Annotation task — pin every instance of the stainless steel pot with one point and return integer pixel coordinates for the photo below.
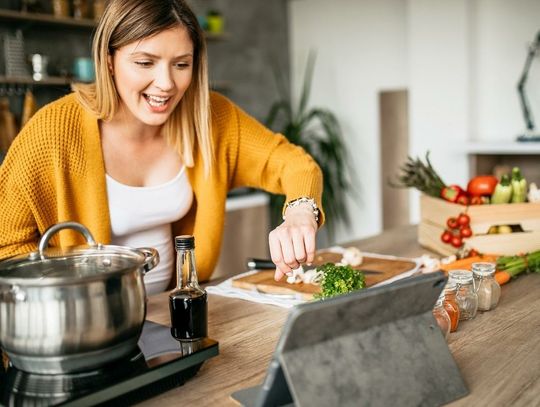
(74, 309)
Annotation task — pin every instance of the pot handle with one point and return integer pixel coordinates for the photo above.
(44, 241)
(151, 258)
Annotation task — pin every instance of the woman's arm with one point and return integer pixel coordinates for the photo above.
(18, 229)
(269, 161)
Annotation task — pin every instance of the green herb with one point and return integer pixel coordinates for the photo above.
(518, 264)
(422, 176)
(337, 280)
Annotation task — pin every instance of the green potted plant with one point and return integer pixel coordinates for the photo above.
(318, 132)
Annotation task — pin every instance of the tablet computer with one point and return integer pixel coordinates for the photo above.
(379, 346)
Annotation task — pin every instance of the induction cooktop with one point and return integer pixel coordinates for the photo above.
(160, 363)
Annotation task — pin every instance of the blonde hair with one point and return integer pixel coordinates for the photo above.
(126, 21)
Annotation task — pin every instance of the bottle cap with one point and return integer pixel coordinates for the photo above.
(184, 242)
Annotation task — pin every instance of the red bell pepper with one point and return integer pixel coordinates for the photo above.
(451, 193)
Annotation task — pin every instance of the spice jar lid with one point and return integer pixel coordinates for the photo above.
(483, 268)
(460, 276)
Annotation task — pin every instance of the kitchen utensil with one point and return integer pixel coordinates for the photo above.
(265, 264)
(8, 128)
(158, 364)
(29, 107)
(14, 55)
(39, 66)
(72, 309)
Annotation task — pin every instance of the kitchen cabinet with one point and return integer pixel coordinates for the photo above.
(247, 223)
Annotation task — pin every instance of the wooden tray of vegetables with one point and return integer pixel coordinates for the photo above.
(492, 215)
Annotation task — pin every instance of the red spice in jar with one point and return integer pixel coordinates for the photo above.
(451, 306)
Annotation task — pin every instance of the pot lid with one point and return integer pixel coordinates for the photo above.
(73, 264)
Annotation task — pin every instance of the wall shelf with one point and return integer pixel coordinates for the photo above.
(50, 19)
(503, 148)
(50, 81)
(497, 157)
(47, 19)
(64, 81)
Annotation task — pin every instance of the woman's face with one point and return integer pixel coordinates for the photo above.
(151, 75)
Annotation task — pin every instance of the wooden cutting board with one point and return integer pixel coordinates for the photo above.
(263, 281)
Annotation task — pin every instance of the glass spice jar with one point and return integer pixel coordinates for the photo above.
(487, 288)
(466, 296)
(441, 316)
(450, 305)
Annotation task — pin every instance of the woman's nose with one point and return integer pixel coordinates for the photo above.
(164, 79)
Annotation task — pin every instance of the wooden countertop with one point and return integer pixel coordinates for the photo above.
(498, 352)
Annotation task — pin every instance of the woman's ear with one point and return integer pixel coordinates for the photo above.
(110, 64)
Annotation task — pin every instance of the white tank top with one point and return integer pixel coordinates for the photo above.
(142, 217)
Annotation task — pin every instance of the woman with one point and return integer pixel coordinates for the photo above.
(146, 153)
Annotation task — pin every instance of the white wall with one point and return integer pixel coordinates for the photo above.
(460, 60)
(361, 49)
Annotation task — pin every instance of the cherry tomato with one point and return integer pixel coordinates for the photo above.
(452, 223)
(476, 200)
(446, 236)
(456, 241)
(465, 231)
(472, 253)
(463, 200)
(463, 219)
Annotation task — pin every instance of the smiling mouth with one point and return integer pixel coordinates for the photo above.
(156, 101)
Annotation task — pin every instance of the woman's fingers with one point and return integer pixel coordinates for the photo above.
(310, 244)
(291, 244)
(298, 246)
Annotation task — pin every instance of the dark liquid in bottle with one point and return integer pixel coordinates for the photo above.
(189, 316)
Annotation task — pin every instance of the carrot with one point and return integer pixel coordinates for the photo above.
(502, 277)
(465, 264)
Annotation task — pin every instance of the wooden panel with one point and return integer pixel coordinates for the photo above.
(394, 128)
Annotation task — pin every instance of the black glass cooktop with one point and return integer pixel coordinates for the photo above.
(159, 364)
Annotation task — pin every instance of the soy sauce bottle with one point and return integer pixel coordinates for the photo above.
(188, 302)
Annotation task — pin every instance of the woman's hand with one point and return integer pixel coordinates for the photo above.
(293, 242)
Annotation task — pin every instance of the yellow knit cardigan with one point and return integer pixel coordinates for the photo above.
(54, 172)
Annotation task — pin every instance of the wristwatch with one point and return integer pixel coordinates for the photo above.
(303, 200)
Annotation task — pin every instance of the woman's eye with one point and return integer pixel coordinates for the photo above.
(143, 63)
(182, 65)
